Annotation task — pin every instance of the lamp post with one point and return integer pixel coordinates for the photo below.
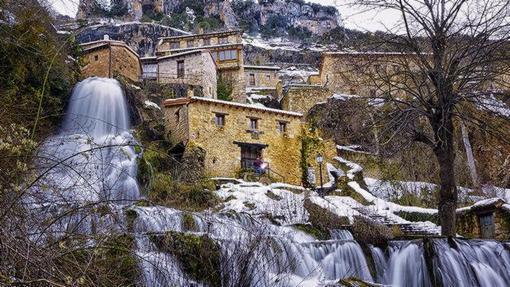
(320, 159)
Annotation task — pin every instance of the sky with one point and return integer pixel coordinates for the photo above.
(353, 17)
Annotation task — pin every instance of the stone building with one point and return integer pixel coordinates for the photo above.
(194, 68)
(301, 97)
(107, 58)
(488, 218)
(226, 49)
(361, 73)
(261, 76)
(234, 135)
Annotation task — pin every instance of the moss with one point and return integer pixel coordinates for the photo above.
(199, 256)
(317, 232)
(370, 232)
(250, 205)
(229, 198)
(131, 216)
(188, 222)
(346, 190)
(355, 282)
(323, 218)
(418, 216)
(273, 196)
(110, 263)
(186, 196)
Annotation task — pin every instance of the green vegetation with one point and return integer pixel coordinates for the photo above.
(322, 218)
(110, 263)
(318, 232)
(188, 222)
(310, 143)
(418, 216)
(199, 256)
(224, 89)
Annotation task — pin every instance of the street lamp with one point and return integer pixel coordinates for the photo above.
(320, 159)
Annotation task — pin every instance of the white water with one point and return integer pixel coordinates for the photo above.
(97, 163)
(94, 148)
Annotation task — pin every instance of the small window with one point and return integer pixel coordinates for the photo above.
(252, 79)
(219, 120)
(396, 68)
(96, 57)
(226, 55)
(190, 43)
(223, 40)
(175, 45)
(282, 127)
(180, 69)
(268, 77)
(207, 41)
(254, 124)
(178, 115)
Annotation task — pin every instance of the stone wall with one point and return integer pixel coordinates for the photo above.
(197, 41)
(236, 78)
(363, 74)
(199, 70)
(97, 63)
(111, 61)
(177, 124)
(468, 224)
(302, 98)
(263, 77)
(223, 156)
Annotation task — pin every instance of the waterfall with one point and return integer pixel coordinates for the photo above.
(92, 157)
(481, 263)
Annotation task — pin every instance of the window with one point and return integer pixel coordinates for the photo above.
(252, 79)
(178, 115)
(268, 77)
(396, 68)
(226, 55)
(96, 57)
(223, 40)
(207, 41)
(254, 124)
(180, 69)
(282, 127)
(219, 120)
(175, 45)
(189, 43)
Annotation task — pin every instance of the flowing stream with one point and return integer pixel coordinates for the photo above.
(93, 159)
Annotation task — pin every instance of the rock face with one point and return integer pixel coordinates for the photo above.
(142, 37)
(247, 14)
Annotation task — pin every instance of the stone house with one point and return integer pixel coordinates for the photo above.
(107, 58)
(234, 135)
(302, 97)
(362, 73)
(226, 49)
(193, 68)
(488, 218)
(261, 76)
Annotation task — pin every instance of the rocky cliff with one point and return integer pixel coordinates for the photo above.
(290, 17)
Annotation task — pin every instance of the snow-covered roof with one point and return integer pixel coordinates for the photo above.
(189, 35)
(100, 43)
(199, 51)
(495, 202)
(182, 101)
(276, 68)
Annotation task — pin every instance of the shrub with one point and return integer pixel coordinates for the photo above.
(317, 232)
(371, 232)
(224, 89)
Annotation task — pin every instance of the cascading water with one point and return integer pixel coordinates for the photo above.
(92, 159)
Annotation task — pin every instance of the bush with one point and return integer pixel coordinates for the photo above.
(317, 232)
(370, 232)
(187, 196)
(224, 89)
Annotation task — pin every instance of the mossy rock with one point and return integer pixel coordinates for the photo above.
(345, 190)
(273, 195)
(323, 218)
(355, 282)
(188, 222)
(199, 256)
(370, 232)
(109, 263)
(131, 216)
(317, 232)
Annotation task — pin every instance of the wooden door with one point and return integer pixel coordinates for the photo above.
(487, 228)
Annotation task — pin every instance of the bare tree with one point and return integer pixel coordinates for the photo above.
(450, 55)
